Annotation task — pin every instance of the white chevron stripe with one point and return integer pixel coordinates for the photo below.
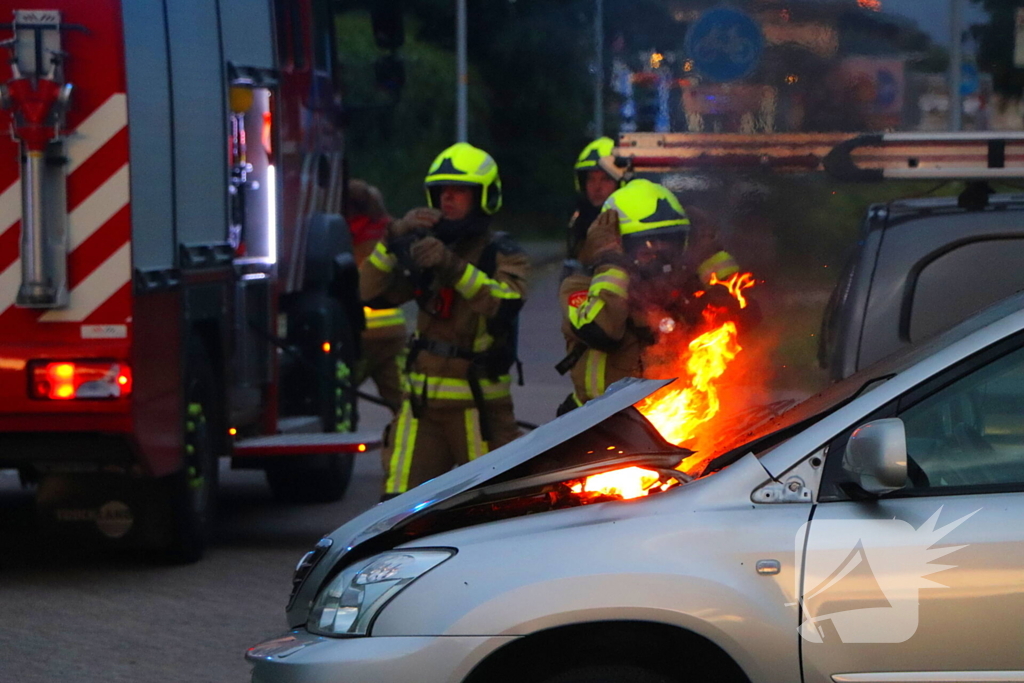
(10, 281)
(97, 130)
(94, 132)
(10, 206)
(100, 285)
(98, 208)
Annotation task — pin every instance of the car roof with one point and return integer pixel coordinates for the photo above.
(903, 207)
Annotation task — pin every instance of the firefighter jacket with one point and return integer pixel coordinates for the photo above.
(460, 328)
(605, 320)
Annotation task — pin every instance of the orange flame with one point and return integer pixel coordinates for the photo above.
(736, 284)
(626, 483)
(678, 410)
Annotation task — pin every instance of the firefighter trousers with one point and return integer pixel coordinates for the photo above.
(445, 435)
(383, 361)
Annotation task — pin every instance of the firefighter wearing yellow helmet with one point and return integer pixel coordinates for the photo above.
(593, 186)
(469, 284)
(642, 248)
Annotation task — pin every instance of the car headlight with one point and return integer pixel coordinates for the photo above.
(348, 604)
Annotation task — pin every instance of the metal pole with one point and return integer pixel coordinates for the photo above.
(598, 68)
(956, 60)
(462, 75)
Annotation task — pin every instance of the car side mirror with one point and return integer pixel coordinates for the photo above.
(876, 456)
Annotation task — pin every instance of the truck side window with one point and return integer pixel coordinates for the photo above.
(963, 281)
(970, 433)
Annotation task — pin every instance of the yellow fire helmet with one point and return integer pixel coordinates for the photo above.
(464, 164)
(589, 157)
(648, 209)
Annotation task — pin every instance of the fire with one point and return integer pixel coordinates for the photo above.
(678, 410)
(736, 284)
(626, 483)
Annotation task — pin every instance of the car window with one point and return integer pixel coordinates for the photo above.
(970, 433)
(941, 295)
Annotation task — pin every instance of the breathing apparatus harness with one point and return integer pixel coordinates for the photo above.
(491, 364)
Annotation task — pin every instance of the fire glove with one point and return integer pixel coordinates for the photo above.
(430, 253)
(603, 242)
(417, 220)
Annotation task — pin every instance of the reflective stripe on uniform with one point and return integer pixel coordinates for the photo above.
(577, 399)
(377, 318)
(454, 389)
(382, 259)
(475, 444)
(401, 454)
(614, 280)
(593, 380)
(585, 313)
(473, 280)
(722, 264)
(483, 339)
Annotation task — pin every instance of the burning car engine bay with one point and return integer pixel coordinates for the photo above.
(588, 468)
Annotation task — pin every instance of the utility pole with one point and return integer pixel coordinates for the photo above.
(462, 75)
(956, 61)
(598, 68)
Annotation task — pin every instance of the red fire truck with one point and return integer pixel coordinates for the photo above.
(176, 282)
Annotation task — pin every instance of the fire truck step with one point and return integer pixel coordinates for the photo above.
(306, 444)
(300, 424)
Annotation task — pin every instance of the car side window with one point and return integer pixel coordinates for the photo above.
(940, 298)
(971, 432)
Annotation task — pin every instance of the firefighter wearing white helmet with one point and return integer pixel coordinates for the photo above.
(469, 284)
(593, 187)
(641, 249)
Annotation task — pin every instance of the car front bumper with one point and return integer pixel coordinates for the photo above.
(300, 657)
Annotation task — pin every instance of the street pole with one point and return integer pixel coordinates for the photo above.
(462, 75)
(598, 68)
(956, 60)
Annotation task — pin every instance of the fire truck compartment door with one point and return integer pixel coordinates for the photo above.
(240, 20)
(381, 518)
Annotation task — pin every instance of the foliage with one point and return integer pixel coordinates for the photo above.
(530, 101)
(996, 45)
(392, 144)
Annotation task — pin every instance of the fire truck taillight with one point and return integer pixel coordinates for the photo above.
(67, 380)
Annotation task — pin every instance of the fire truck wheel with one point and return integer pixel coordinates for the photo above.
(311, 478)
(610, 674)
(192, 491)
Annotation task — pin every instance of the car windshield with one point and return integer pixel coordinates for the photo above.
(839, 394)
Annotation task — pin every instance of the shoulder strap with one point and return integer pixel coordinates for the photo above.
(501, 243)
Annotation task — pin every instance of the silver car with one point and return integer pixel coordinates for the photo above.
(809, 550)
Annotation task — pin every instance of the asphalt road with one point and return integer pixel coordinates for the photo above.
(68, 614)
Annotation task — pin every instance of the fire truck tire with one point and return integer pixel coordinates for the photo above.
(610, 674)
(192, 491)
(311, 478)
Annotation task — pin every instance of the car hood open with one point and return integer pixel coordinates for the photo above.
(535, 452)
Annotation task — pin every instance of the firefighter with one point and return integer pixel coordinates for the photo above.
(383, 340)
(593, 187)
(639, 254)
(469, 285)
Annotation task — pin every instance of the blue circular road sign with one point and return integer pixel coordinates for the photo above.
(724, 44)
